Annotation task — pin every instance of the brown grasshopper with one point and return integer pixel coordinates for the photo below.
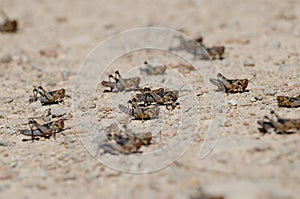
(47, 98)
(216, 52)
(9, 26)
(45, 130)
(124, 142)
(197, 48)
(158, 96)
(120, 83)
(230, 85)
(279, 125)
(138, 112)
(153, 70)
(289, 102)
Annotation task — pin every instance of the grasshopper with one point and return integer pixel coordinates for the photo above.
(289, 102)
(124, 142)
(158, 96)
(279, 125)
(230, 85)
(216, 52)
(47, 98)
(198, 49)
(45, 130)
(120, 83)
(153, 70)
(9, 26)
(138, 112)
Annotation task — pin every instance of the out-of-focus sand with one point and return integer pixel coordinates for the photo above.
(244, 163)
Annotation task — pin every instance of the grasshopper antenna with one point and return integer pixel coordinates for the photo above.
(4, 15)
(251, 79)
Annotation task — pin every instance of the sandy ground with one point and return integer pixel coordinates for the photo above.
(243, 164)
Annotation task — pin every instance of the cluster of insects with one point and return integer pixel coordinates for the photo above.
(47, 129)
(143, 105)
(279, 125)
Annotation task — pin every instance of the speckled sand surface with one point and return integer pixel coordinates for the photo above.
(243, 164)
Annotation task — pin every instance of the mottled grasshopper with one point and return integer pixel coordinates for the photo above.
(121, 84)
(47, 98)
(158, 96)
(43, 130)
(279, 125)
(289, 102)
(123, 142)
(198, 49)
(152, 69)
(139, 112)
(230, 85)
(9, 26)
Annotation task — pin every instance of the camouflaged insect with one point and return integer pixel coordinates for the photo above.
(198, 49)
(229, 85)
(47, 98)
(139, 112)
(9, 26)
(43, 130)
(152, 69)
(123, 142)
(288, 102)
(121, 84)
(279, 125)
(160, 96)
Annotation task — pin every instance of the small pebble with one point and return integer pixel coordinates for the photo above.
(249, 62)
(48, 53)
(253, 99)
(227, 124)
(69, 176)
(14, 164)
(275, 45)
(259, 97)
(20, 58)
(262, 147)
(246, 123)
(6, 58)
(92, 105)
(175, 125)
(269, 91)
(65, 74)
(232, 102)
